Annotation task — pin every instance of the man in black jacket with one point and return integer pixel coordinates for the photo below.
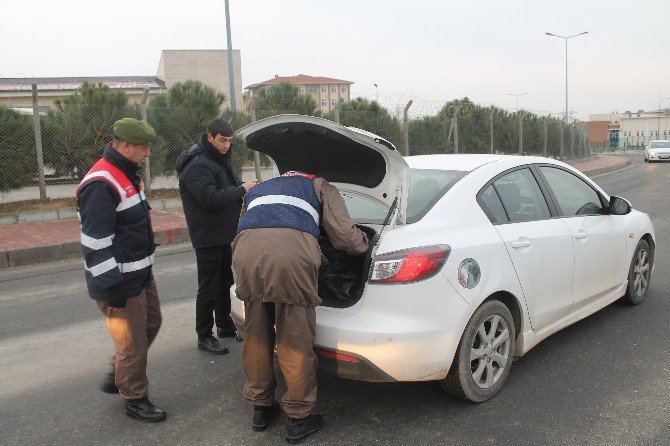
(118, 245)
(211, 192)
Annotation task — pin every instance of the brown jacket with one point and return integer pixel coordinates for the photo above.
(282, 265)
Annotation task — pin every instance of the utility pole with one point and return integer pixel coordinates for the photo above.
(231, 71)
(37, 128)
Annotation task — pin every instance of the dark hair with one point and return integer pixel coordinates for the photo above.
(218, 126)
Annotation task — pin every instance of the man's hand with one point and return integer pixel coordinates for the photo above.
(250, 184)
(116, 302)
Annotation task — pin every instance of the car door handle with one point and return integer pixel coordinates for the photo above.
(521, 244)
(581, 234)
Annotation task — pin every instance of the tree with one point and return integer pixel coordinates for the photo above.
(179, 118)
(284, 98)
(370, 116)
(17, 149)
(78, 127)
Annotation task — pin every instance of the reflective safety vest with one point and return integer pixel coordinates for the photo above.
(119, 251)
(283, 202)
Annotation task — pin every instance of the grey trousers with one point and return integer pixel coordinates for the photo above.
(292, 328)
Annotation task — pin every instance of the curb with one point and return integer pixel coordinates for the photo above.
(72, 250)
(596, 172)
(65, 213)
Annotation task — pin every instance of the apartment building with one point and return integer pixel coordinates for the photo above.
(326, 91)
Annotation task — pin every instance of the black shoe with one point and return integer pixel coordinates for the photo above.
(108, 384)
(300, 428)
(263, 414)
(227, 330)
(211, 345)
(142, 409)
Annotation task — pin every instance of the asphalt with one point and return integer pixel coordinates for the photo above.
(31, 238)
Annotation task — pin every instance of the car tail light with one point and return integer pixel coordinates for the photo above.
(409, 265)
(336, 355)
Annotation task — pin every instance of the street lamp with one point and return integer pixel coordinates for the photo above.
(517, 98)
(658, 129)
(231, 71)
(377, 90)
(566, 66)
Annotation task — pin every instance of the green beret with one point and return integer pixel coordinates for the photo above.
(134, 131)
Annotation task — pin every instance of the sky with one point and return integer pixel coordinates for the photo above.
(430, 51)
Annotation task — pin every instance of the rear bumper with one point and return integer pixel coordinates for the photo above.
(349, 365)
(334, 362)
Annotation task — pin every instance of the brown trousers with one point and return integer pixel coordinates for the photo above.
(133, 329)
(292, 328)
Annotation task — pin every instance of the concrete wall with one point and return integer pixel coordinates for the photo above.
(207, 66)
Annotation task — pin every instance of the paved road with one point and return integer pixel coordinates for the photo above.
(603, 381)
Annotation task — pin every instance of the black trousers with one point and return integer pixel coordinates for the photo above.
(215, 278)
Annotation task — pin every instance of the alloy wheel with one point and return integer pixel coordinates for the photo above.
(490, 351)
(641, 272)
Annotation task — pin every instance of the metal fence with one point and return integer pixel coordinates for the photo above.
(69, 142)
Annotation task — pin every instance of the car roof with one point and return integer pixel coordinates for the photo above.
(468, 162)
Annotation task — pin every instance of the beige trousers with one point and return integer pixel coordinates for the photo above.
(292, 328)
(133, 329)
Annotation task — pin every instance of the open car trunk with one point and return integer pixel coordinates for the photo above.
(361, 164)
(343, 277)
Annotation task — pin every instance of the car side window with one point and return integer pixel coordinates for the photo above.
(521, 196)
(492, 205)
(574, 195)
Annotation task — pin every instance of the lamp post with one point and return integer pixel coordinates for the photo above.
(566, 66)
(231, 70)
(658, 128)
(517, 98)
(377, 90)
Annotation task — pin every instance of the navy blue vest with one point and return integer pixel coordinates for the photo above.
(282, 202)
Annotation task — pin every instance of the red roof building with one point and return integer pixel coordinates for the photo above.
(326, 91)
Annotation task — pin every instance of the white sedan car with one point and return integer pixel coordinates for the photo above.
(474, 258)
(658, 150)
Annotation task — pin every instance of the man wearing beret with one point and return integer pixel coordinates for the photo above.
(211, 192)
(118, 244)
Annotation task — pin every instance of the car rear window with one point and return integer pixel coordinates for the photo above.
(426, 187)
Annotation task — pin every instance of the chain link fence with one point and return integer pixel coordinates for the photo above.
(73, 136)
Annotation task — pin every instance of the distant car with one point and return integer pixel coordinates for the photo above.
(474, 259)
(658, 150)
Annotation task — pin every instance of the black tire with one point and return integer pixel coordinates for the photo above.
(639, 274)
(460, 382)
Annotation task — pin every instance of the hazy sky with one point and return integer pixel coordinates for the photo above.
(428, 51)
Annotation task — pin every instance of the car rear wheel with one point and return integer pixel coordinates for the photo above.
(639, 274)
(484, 356)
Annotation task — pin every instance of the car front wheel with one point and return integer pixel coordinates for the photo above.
(639, 274)
(484, 356)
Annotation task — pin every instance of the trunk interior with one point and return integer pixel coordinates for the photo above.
(342, 280)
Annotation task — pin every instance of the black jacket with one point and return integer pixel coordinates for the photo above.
(211, 194)
(117, 241)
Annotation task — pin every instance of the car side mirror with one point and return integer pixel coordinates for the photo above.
(619, 206)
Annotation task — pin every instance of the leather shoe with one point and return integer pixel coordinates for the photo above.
(108, 384)
(299, 428)
(211, 345)
(144, 410)
(263, 414)
(227, 330)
